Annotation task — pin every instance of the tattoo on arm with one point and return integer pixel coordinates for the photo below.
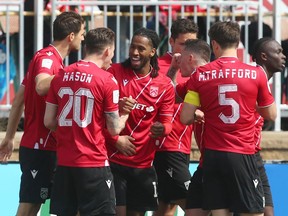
(115, 123)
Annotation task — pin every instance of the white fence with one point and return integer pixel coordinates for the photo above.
(125, 16)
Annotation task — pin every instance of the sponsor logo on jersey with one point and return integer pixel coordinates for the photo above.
(186, 184)
(34, 173)
(125, 81)
(170, 172)
(109, 182)
(255, 181)
(49, 53)
(150, 109)
(154, 91)
(143, 107)
(115, 96)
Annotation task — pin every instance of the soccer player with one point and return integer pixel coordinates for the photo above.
(153, 97)
(82, 99)
(268, 54)
(195, 53)
(37, 148)
(228, 91)
(173, 155)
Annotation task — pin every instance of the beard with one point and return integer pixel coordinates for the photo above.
(137, 66)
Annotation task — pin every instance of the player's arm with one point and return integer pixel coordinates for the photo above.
(159, 129)
(6, 146)
(50, 116)
(163, 125)
(268, 113)
(266, 106)
(126, 105)
(43, 82)
(114, 123)
(174, 67)
(191, 103)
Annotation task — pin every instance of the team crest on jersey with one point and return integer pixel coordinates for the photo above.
(44, 193)
(154, 91)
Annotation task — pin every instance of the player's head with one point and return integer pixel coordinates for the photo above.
(196, 52)
(224, 35)
(101, 42)
(69, 24)
(268, 53)
(143, 51)
(182, 30)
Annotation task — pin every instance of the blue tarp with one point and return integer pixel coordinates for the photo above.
(3, 66)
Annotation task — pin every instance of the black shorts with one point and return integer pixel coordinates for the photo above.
(195, 192)
(89, 190)
(173, 174)
(232, 181)
(265, 181)
(38, 169)
(135, 188)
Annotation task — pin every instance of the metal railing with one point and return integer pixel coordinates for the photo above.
(122, 17)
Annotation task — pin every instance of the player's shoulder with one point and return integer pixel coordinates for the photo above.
(115, 66)
(48, 51)
(162, 79)
(165, 59)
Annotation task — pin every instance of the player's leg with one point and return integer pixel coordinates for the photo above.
(165, 209)
(173, 181)
(120, 175)
(269, 210)
(194, 198)
(142, 191)
(38, 169)
(63, 197)
(95, 190)
(28, 209)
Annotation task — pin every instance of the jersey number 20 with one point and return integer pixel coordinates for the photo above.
(75, 103)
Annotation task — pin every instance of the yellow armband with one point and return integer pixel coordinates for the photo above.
(192, 97)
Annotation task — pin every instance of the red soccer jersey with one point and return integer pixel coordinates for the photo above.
(36, 135)
(155, 98)
(228, 90)
(83, 93)
(198, 128)
(180, 137)
(259, 122)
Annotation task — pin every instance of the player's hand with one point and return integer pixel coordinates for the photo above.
(6, 149)
(175, 63)
(199, 116)
(125, 146)
(126, 105)
(157, 130)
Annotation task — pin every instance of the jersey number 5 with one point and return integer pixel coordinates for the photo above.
(224, 101)
(74, 102)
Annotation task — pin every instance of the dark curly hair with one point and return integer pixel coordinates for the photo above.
(155, 41)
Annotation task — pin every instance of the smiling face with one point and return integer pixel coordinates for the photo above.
(140, 53)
